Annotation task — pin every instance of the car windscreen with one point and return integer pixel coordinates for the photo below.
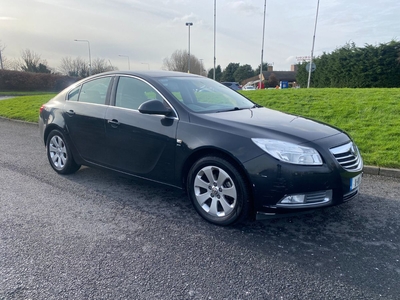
(204, 95)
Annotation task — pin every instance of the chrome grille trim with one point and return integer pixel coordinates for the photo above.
(348, 156)
(316, 197)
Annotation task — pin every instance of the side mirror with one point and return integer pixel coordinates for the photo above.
(155, 107)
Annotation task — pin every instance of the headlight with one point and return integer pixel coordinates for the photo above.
(290, 153)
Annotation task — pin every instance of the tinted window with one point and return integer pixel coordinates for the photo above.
(132, 92)
(201, 94)
(95, 91)
(74, 94)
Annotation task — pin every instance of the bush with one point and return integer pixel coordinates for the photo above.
(26, 81)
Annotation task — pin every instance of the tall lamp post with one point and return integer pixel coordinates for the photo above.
(215, 35)
(90, 58)
(189, 24)
(129, 63)
(312, 49)
(262, 45)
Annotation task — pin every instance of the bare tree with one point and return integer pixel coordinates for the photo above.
(32, 62)
(99, 65)
(78, 67)
(2, 47)
(179, 61)
(74, 67)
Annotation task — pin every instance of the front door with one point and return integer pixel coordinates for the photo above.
(140, 144)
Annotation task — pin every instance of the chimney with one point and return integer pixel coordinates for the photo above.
(270, 68)
(294, 68)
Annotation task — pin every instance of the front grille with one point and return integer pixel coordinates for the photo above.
(348, 156)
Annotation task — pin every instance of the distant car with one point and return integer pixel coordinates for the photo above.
(232, 156)
(248, 88)
(233, 85)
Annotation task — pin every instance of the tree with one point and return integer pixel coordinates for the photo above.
(243, 72)
(32, 62)
(74, 67)
(264, 68)
(2, 58)
(228, 73)
(355, 67)
(218, 73)
(99, 65)
(179, 61)
(272, 80)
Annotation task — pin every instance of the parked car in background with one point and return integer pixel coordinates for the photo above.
(234, 157)
(233, 85)
(248, 88)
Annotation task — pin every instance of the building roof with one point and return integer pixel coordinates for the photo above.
(281, 75)
(289, 76)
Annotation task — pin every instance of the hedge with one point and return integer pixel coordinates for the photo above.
(26, 81)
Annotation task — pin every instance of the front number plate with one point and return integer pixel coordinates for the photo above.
(355, 182)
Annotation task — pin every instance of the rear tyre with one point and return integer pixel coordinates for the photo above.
(59, 154)
(218, 191)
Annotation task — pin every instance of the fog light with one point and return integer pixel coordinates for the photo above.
(293, 199)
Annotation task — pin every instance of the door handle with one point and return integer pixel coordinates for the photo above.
(114, 123)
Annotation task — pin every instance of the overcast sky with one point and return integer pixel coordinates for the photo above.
(150, 30)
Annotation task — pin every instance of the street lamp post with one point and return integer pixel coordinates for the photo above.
(262, 45)
(215, 35)
(129, 63)
(90, 58)
(189, 24)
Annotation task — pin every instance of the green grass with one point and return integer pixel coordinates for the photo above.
(25, 108)
(11, 93)
(370, 116)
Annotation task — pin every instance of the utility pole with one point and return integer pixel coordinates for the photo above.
(312, 49)
(189, 24)
(262, 45)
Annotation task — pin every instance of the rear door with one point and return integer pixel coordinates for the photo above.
(84, 114)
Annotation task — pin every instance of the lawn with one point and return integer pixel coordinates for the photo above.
(370, 116)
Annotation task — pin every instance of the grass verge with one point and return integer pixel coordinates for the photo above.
(370, 116)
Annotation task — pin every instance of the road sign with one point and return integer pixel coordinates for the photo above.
(313, 67)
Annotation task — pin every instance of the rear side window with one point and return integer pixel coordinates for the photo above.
(94, 91)
(74, 94)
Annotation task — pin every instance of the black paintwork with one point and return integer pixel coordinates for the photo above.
(162, 147)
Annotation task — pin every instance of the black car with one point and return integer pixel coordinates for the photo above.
(233, 85)
(233, 157)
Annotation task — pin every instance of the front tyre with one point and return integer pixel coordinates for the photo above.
(218, 191)
(59, 154)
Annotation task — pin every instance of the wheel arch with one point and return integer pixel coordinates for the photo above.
(203, 152)
(49, 128)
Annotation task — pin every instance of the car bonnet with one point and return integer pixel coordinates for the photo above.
(268, 123)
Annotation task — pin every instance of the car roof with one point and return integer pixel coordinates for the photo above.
(151, 73)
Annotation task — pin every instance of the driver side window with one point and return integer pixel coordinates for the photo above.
(132, 92)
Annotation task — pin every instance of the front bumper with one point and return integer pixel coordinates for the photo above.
(280, 188)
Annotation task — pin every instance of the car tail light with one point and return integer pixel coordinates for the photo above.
(41, 108)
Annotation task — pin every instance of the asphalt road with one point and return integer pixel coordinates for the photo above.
(98, 235)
